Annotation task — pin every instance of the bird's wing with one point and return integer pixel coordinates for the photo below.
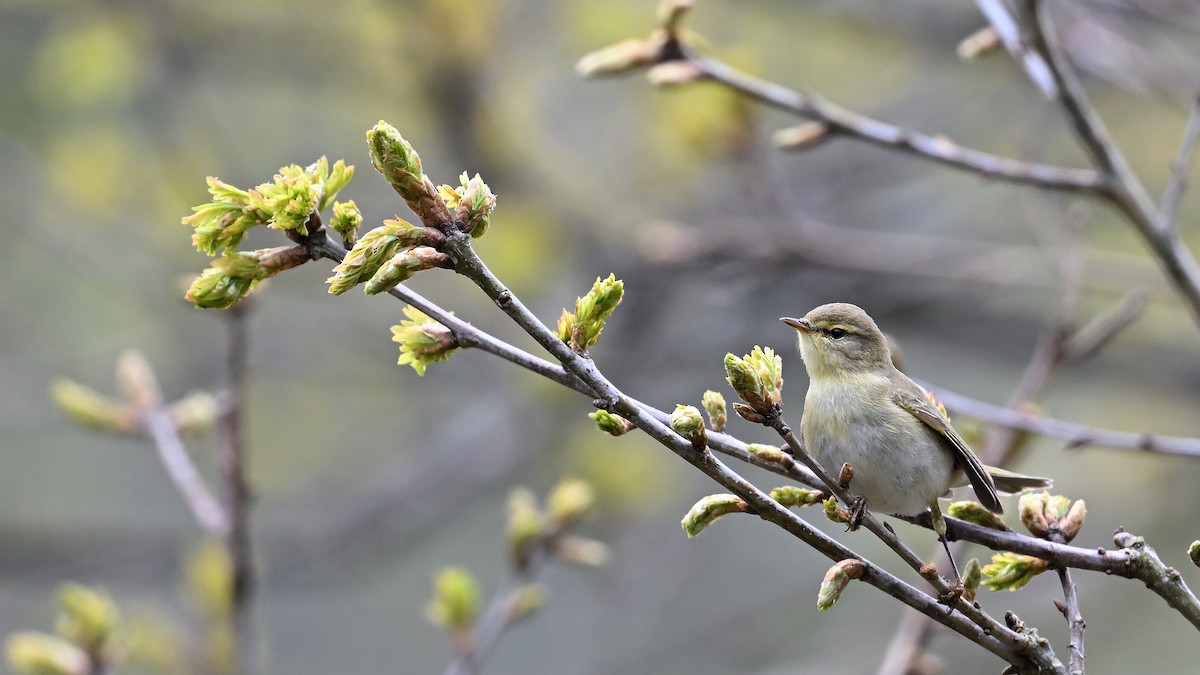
(924, 410)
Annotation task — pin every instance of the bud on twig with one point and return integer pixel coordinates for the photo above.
(422, 340)
(472, 202)
(801, 137)
(836, 579)
(971, 577)
(87, 407)
(1010, 571)
(395, 158)
(455, 602)
(791, 495)
(758, 379)
(687, 422)
(979, 43)
(569, 500)
(610, 423)
(706, 511)
(974, 512)
(769, 453)
(402, 266)
(834, 511)
(375, 249)
(1051, 516)
(674, 74)
(346, 221)
(582, 328)
(714, 405)
(35, 653)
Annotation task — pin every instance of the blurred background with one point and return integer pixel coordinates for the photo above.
(368, 479)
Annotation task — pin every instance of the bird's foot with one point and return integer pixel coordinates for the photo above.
(858, 511)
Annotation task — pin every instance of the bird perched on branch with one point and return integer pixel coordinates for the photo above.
(860, 410)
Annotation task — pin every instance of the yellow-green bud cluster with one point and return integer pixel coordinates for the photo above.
(87, 622)
(232, 276)
(35, 653)
(582, 328)
(90, 408)
(610, 423)
(455, 602)
(834, 511)
(89, 617)
(706, 512)
(1052, 516)
(473, 203)
(395, 158)
(422, 340)
(569, 500)
(1010, 571)
(375, 256)
(836, 579)
(758, 379)
(402, 266)
(530, 527)
(346, 221)
(714, 405)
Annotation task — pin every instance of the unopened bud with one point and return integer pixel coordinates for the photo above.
(674, 73)
(834, 511)
(619, 58)
(801, 137)
(581, 551)
(769, 453)
(974, 512)
(455, 603)
(706, 511)
(979, 43)
(791, 495)
(569, 500)
(836, 579)
(971, 577)
(87, 407)
(610, 423)
(714, 405)
(687, 422)
(137, 380)
(395, 158)
(33, 653)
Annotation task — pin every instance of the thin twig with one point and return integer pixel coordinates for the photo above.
(1076, 435)
(1010, 35)
(1121, 186)
(882, 134)
(1173, 193)
(182, 471)
(1075, 622)
(237, 497)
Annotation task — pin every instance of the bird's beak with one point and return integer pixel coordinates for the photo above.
(801, 325)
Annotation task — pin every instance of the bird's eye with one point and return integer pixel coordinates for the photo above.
(837, 333)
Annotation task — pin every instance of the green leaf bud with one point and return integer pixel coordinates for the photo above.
(89, 617)
(974, 512)
(235, 274)
(1045, 515)
(979, 43)
(137, 380)
(455, 602)
(399, 163)
(215, 290)
(836, 579)
(1194, 553)
(749, 414)
(34, 653)
(674, 74)
(714, 405)
(526, 525)
(687, 422)
(422, 340)
(332, 181)
(671, 14)
(757, 378)
(593, 309)
(1010, 571)
(373, 251)
(791, 495)
(706, 511)
(769, 453)
(971, 577)
(346, 221)
(610, 423)
(834, 511)
(472, 202)
(87, 407)
(402, 266)
(569, 500)
(222, 222)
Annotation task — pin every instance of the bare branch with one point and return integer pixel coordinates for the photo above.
(1173, 193)
(876, 132)
(205, 508)
(1120, 185)
(1076, 435)
(1010, 35)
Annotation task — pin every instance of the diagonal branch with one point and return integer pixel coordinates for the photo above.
(1179, 170)
(892, 137)
(1010, 35)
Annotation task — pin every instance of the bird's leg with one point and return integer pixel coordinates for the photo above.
(858, 511)
(939, 526)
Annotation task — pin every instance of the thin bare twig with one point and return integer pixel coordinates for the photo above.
(1173, 194)
(892, 137)
(1010, 35)
(1075, 621)
(1120, 185)
(182, 471)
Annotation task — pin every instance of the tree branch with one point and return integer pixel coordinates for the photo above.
(882, 134)
(1173, 193)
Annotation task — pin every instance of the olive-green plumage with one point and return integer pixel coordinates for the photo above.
(862, 411)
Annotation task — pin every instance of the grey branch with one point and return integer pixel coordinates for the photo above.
(1179, 170)
(1010, 35)
(182, 471)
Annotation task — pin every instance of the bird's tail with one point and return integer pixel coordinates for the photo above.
(1010, 483)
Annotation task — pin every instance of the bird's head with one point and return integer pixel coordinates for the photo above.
(838, 339)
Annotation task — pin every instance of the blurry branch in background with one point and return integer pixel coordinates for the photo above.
(1009, 33)
(142, 413)
(536, 535)
(1173, 193)
(673, 62)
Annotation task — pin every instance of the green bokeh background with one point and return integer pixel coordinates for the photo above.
(368, 479)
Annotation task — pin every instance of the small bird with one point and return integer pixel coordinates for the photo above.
(860, 410)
